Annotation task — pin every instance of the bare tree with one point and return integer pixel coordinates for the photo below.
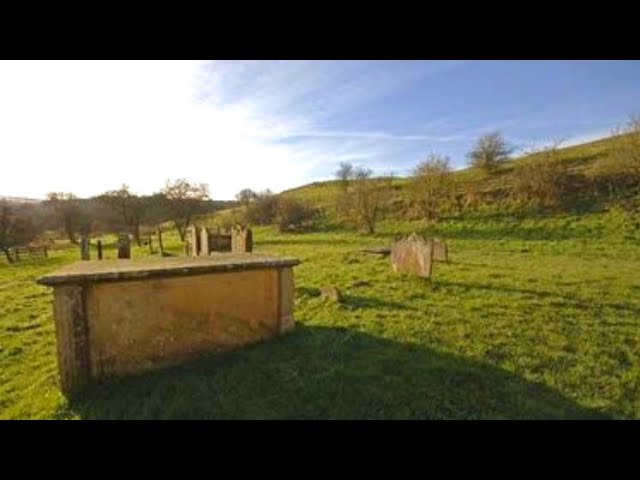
(345, 173)
(129, 207)
(71, 214)
(432, 185)
(361, 203)
(263, 210)
(15, 230)
(489, 151)
(183, 200)
(246, 196)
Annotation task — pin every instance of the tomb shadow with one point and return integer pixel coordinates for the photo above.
(328, 373)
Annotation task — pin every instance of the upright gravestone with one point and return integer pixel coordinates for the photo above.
(124, 246)
(193, 240)
(84, 247)
(204, 241)
(160, 246)
(414, 255)
(440, 251)
(241, 240)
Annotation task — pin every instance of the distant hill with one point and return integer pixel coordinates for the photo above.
(579, 157)
(18, 199)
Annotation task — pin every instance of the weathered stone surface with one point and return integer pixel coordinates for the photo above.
(120, 317)
(220, 242)
(160, 245)
(72, 337)
(440, 251)
(414, 255)
(204, 241)
(141, 268)
(241, 239)
(124, 246)
(193, 240)
(331, 292)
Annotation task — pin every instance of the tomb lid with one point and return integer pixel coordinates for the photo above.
(138, 269)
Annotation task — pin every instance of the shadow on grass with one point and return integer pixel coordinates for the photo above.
(328, 373)
(570, 301)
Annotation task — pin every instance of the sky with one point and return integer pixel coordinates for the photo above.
(90, 126)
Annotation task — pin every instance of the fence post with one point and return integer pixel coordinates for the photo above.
(150, 245)
(46, 254)
(99, 247)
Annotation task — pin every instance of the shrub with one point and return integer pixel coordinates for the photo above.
(489, 151)
(292, 214)
(431, 187)
(618, 173)
(543, 180)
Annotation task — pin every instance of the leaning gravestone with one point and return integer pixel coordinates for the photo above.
(124, 246)
(414, 255)
(440, 251)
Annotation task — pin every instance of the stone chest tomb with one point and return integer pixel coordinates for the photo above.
(117, 317)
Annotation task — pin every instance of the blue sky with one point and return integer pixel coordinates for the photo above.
(279, 124)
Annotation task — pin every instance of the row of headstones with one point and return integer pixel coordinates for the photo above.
(202, 241)
(415, 254)
(124, 246)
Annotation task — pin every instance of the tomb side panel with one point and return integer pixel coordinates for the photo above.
(144, 324)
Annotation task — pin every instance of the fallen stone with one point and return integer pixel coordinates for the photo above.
(377, 250)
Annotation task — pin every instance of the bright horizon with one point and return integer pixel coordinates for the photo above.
(89, 126)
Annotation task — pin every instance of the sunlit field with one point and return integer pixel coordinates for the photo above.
(532, 317)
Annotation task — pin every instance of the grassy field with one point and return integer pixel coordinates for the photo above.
(533, 317)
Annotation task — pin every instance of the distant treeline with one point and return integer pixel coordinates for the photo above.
(120, 210)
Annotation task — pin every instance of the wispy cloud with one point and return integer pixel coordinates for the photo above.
(272, 124)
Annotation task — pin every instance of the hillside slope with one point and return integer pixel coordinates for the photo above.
(579, 158)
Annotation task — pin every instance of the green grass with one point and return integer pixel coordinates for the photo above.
(533, 317)
(579, 159)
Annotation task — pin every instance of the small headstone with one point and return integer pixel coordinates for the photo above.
(204, 241)
(414, 255)
(331, 292)
(241, 240)
(193, 240)
(124, 246)
(160, 246)
(84, 247)
(440, 251)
